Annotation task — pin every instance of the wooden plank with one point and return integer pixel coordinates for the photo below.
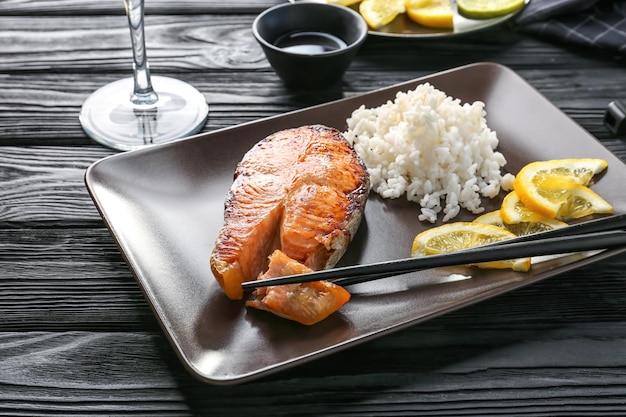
(47, 184)
(75, 278)
(45, 111)
(87, 7)
(44, 107)
(79, 43)
(572, 370)
(188, 42)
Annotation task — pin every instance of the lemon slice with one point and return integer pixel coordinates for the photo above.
(537, 225)
(463, 235)
(578, 201)
(576, 170)
(566, 201)
(514, 211)
(430, 13)
(485, 9)
(378, 13)
(543, 186)
(343, 2)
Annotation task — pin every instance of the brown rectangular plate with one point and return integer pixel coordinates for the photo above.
(164, 207)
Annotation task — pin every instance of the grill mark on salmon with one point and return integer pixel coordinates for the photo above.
(300, 190)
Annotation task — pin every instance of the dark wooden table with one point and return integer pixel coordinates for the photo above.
(77, 336)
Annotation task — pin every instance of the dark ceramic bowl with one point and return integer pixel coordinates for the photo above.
(310, 45)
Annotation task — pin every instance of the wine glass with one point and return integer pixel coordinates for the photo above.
(130, 113)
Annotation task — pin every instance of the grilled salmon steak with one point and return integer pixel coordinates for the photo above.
(307, 303)
(300, 190)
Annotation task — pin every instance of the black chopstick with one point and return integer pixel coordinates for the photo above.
(616, 222)
(511, 250)
(592, 235)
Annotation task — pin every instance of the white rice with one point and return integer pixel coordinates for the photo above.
(431, 147)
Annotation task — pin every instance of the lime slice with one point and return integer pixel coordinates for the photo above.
(485, 9)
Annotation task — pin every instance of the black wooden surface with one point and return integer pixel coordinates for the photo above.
(76, 335)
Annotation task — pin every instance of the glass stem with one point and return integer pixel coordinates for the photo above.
(143, 93)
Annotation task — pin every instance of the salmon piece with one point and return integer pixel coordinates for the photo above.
(306, 303)
(300, 190)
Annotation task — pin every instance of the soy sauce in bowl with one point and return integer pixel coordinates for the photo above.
(309, 43)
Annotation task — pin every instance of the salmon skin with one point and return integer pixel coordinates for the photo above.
(301, 190)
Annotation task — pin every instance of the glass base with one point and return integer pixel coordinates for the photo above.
(109, 117)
